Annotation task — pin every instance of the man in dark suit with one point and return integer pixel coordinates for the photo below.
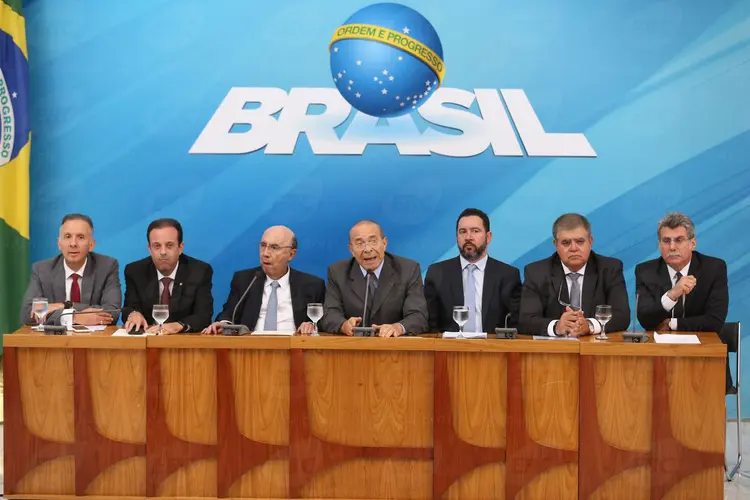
(560, 293)
(76, 281)
(169, 277)
(683, 290)
(275, 295)
(393, 286)
(489, 288)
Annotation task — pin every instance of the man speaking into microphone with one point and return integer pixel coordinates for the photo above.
(170, 277)
(76, 281)
(374, 288)
(272, 297)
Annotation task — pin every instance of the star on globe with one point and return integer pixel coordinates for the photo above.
(386, 60)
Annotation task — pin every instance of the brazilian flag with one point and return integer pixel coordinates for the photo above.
(15, 147)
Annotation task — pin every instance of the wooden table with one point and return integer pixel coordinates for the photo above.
(95, 416)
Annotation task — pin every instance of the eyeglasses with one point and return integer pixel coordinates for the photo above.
(362, 244)
(272, 247)
(559, 295)
(677, 241)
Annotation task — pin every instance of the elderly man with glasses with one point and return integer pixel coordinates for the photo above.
(272, 297)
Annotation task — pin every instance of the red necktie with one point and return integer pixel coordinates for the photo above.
(165, 293)
(75, 290)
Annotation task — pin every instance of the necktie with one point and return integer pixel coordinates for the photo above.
(75, 289)
(678, 311)
(372, 287)
(575, 291)
(470, 298)
(165, 295)
(271, 309)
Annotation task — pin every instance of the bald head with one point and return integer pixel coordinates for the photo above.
(366, 225)
(278, 246)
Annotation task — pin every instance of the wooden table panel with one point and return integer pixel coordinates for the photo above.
(270, 480)
(196, 479)
(125, 478)
(53, 477)
(486, 481)
(631, 484)
(556, 483)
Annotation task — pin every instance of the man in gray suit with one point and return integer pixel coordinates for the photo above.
(78, 280)
(393, 286)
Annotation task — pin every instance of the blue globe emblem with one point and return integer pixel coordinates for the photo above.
(386, 60)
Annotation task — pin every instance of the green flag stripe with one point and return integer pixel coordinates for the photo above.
(14, 276)
(15, 5)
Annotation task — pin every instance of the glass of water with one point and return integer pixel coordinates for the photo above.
(460, 316)
(160, 314)
(315, 312)
(39, 307)
(603, 315)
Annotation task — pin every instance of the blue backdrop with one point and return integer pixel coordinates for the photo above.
(120, 91)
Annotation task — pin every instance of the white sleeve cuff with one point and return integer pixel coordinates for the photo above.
(551, 328)
(667, 303)
(673, 324)
(596, 327)
(66, 317)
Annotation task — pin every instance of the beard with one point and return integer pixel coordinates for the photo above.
(472, 252)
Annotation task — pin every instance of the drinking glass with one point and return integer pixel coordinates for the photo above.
(39, 306)
(315, 312)
(160, 313)
(603, 315)
(460, 316)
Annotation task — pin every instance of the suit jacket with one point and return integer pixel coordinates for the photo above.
(705, 307)
(603, 283)
(100, 286)
(444, 289)
(191, 301)
(305, 289)
(398, 299)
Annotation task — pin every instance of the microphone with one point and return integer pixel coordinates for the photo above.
(632, 335)
(365, 331)
(232, 329)
(505, 332)
(61, 329)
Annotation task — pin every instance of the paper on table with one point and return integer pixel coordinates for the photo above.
(675, 338)
(121, 332)
(274, 334)
(96, 328)
(548, 337)
(466, 335)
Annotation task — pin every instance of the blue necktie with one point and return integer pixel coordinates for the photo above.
(470, 299)
(575, 291)
(273, 302)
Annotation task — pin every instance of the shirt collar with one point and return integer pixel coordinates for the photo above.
(481, 263)
(69, 272)
(376, 271)
(283, 281)
(172, 275)
(581, 271)
(683, 271)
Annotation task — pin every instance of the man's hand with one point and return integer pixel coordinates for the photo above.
(347, 328)
(306, 328)
(663, 326)
(682, 287)
(136, 321)
(583, 326)
(213, 329)
(568, 322)
(167, 328)
(95, 316)
(392, 330)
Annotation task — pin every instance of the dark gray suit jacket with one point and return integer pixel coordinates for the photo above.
(100, 286)
(398, 299)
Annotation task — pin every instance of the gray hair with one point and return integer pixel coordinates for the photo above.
(673, 220)
(568, 222)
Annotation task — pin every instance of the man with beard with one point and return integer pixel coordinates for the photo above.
(683, 290)
(169, 277)
(489, 288)
(391, 286)
(560, 293)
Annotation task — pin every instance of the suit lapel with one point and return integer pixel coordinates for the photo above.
(454, 276)
(177, 289)
(491, 278)
(385, 283)
(298, 299)
(152, 288)
(559, 288)
(590, 279)
(251, 310)
(58, 281)
(663, 272)
(695, 264)
(89, 275)
(357, 282)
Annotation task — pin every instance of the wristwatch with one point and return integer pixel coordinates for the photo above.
(67, 305)
(185, 327)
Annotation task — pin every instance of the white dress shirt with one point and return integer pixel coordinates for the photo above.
(284, 311)
(667, 303)
(478, 285)
(596, 327)
(67, 314)
(172, 275)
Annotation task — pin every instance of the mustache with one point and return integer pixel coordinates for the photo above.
(673, 254)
